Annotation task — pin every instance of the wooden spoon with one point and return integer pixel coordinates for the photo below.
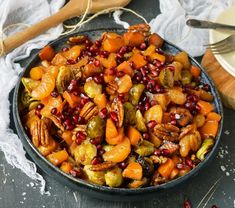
(72, 9)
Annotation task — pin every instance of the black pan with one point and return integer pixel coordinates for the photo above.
(104, 192)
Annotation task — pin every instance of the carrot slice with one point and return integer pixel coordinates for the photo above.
(67, 137)
(57, 158)
(213, 116)
(71, 99)
(47, 53)
(133, 171)
(111, 130)
(195, 71)
(210, 128)
(117, 139)
(134, 135)
(126, 68)
(166, 168)
(138, 60)
(206, 107)
(66, 167)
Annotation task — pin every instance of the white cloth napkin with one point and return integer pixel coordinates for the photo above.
(170, 24)
(27, 12)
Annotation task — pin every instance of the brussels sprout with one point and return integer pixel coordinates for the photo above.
(92, 89)
(135, 93)
(129, 114)
(95, 127)
(96, 177)
(206, 145)
(33, 105)
(25, 99)
(146, 148)
(113, 178)
(147, 165)
(84, 153)
(63, 79)
(166, 78)
(140, 122)
(186, 77)
(29, 84)
(138, 183)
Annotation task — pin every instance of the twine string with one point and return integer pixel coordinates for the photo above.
(72, 27)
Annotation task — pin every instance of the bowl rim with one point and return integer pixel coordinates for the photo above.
(85, 184)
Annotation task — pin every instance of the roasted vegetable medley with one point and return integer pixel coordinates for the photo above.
(119, 111)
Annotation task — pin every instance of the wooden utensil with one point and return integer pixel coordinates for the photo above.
(224, 82)
(72, 9)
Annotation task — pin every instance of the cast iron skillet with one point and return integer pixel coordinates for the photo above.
(93, 190)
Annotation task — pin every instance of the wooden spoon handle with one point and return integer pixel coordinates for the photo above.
(20, 38)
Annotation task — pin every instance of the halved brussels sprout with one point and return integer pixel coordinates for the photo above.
(25, 99)
(96, 177)
(135, 93)
(95, 127)
(92, 89)
(129, 114)
(113, 178)
(29, 84)
(147, 165)
(186, 77)
(166, 78)
(140, 122)
(145, 149)
(63, 79)
(84, 153)
(206, 146)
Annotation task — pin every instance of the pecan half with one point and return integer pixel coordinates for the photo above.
(143, 28)
(186, 130)
(157, 179)
(40, 133)
(112, 88)
(77, 39)
(102, 166)
(158, 159)
(166, 132)
(117, 107)
(56, 120)
(171, 147)
(89, 110)
(183, 116)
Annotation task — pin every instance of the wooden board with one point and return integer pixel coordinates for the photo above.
(223, 80)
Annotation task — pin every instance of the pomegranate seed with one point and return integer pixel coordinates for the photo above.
(214, 206)
(187, 204)
(99, 147)
(64, 49)
(123, 50)
(54, 94)
(69, 127)
(151, 124)
(143, 71)
(103, 113)
(157, 88)
(206, 87)
(71, 61)
(146, 136)
(97, 63)
(157, 152)
(114, 116)
(112, 71)
(198, 108)
(173, 122)
(96, 160)
(78, 141)
(96, 141)
(39, 106)
(37, 113)
(80, 135)
(147, 106)
(153, 102)
(165, 152)
(75, 172)
(120, 74)
(76, 118)
(143, 46)
(181, 166)
(123, 165)
(98, 43)
(151, 84)
(54, 111)
(189, 163)
(84, 101)
(98, 79)
(76, 93)
(101, 152)
(119, 56)
(104, 54)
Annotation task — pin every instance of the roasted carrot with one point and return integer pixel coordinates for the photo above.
(133, 171)
(210, 128)
(195, 71)
(134, 135)
(58, 157)
(47, 53)
(206, 107)
(213, 116)
(138, 60)
(166, 168)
